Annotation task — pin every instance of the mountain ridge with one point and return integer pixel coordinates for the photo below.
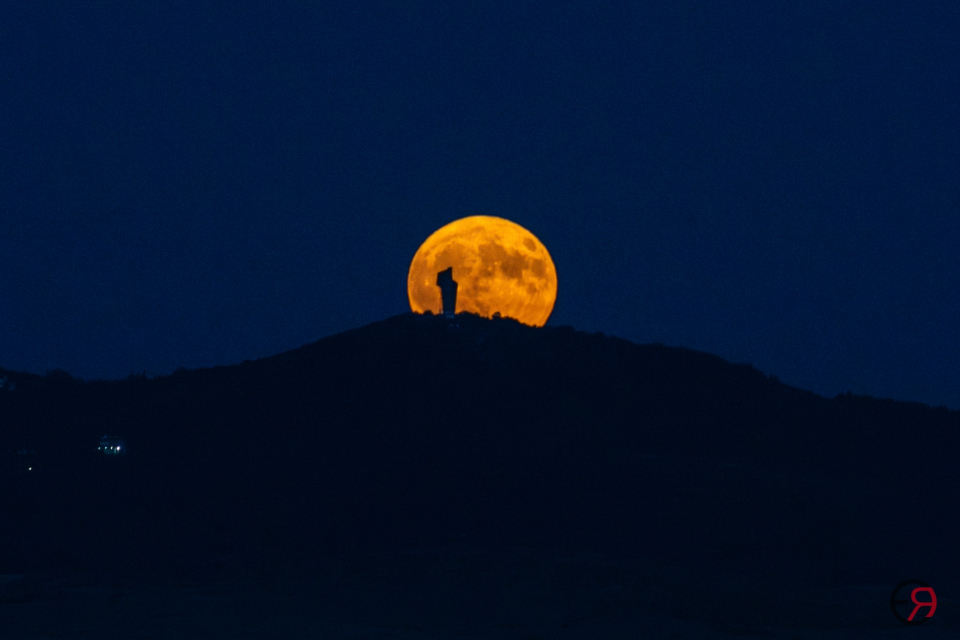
(420, 428)
(403, 345)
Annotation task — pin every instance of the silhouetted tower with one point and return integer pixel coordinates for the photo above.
(448, 291)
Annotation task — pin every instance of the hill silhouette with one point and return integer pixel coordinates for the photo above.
(421, 431)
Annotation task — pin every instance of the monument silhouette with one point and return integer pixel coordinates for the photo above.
(448, 291)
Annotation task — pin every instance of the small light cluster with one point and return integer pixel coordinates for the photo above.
(112, 446)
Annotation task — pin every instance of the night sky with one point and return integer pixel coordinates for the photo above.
(184, 183)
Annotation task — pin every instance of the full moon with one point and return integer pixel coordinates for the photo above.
(499, 267)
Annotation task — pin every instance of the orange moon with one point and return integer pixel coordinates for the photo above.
(499, 267)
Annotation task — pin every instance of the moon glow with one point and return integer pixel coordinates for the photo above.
(499, 266)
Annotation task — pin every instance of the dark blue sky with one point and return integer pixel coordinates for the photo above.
(191, 184)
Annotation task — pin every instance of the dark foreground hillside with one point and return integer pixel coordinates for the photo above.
(569, 476)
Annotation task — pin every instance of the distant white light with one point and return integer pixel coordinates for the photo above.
(29, 468)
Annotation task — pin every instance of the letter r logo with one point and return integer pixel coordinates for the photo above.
(899, 602)
(932, 602)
